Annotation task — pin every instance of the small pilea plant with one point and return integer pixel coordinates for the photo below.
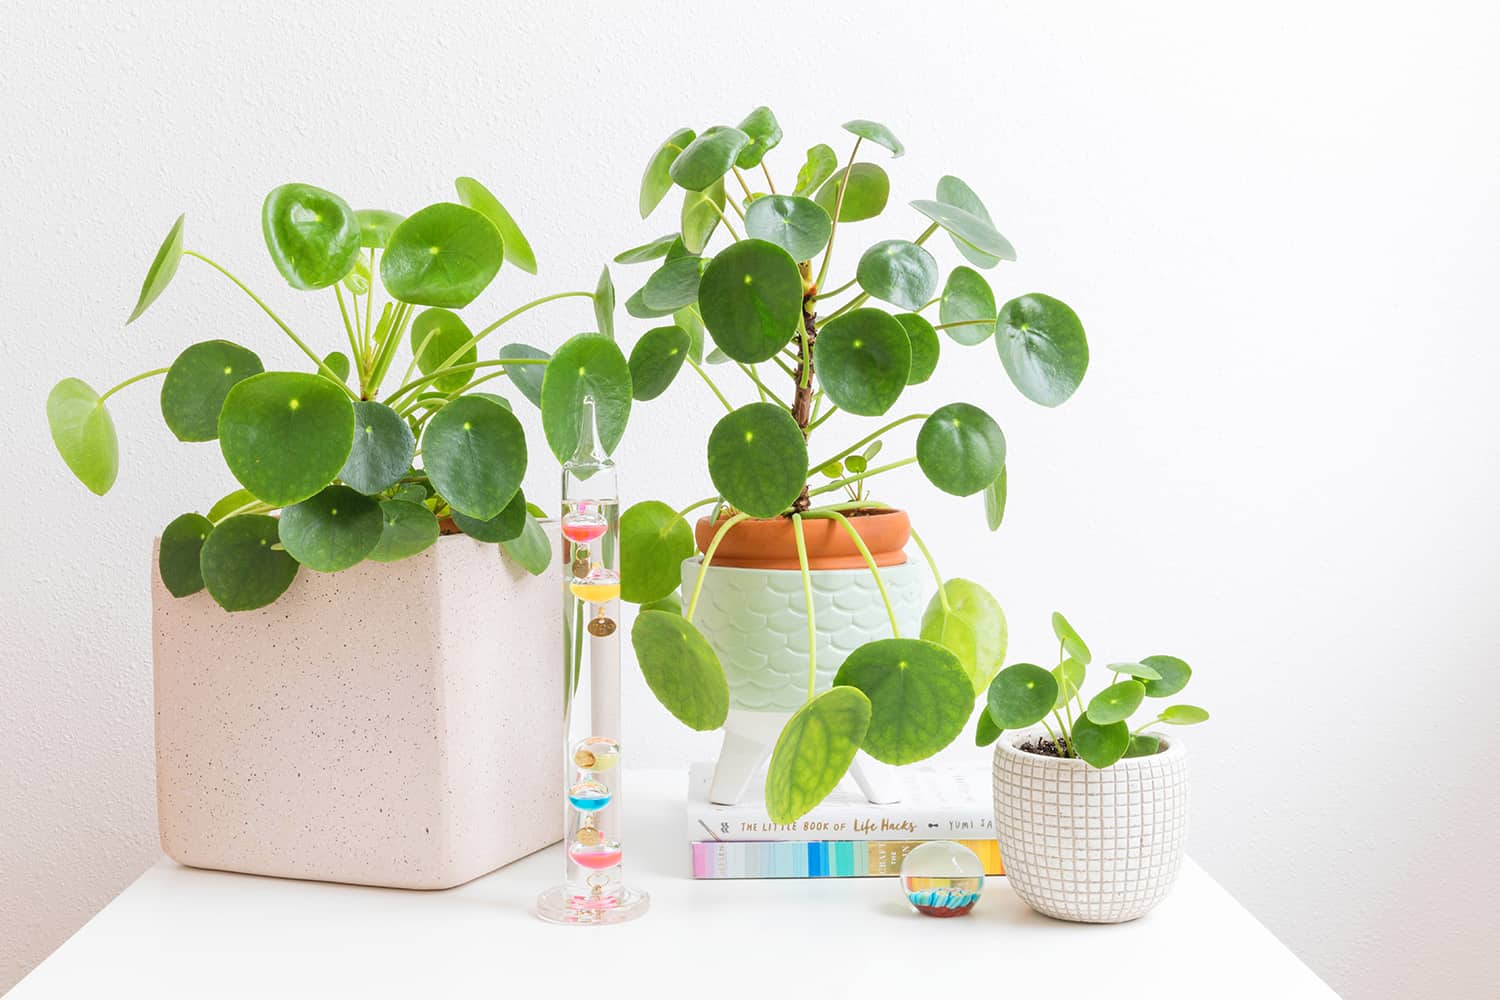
(812, 347)
(339, 460)
(1099, 732)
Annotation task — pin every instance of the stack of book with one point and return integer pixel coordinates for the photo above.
(845, 835)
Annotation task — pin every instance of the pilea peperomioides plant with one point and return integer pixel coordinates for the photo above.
(810, 350)
(355, 471)
(1099, 734)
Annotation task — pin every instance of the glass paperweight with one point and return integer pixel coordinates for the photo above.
(942, 879)
(594, 890)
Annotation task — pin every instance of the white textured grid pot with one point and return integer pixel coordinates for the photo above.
(756, 622)
(394, 724)
(1081, 843)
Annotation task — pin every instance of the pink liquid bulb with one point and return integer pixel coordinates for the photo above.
(582, 531)
(603, 856)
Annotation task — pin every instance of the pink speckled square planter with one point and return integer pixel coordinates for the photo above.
(394, 724)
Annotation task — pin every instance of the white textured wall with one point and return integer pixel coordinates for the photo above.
(1277, 220)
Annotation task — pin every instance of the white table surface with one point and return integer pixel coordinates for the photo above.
(183, 933)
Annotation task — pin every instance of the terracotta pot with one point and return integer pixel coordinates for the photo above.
(770, 544)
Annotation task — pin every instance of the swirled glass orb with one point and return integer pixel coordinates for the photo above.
(942, 879)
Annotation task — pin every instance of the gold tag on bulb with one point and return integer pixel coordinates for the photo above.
(601, 626)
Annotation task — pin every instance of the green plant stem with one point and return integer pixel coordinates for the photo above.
(472, 341)
(849, 306)
(741, 178)
(724, 218)
(369, 301)
(962, 322)
(930, 303)
(832, 409)
(471, 366)
(684, 512)
(708, 558)
(784, 366)
(253, 507)
(864, 550)
(769, 183)
(1143, 727)
(764, 389)
(416, 355)
(704, 375)
(133, 380)
(836, 291)
(812, 626)
(1067, 731)
(936, 576)
(871, 437)
(348, 327)
(394, 334)
(839, 484)
(1056, 742)
(275, 318)
(478, 381)
(838, 206)
(925, 234)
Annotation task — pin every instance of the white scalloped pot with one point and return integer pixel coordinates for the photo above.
(396, 724)
(756, 621)
(1093, 845)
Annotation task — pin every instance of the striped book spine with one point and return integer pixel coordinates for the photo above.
(817, 858)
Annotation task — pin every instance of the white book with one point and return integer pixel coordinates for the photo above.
(938, 803)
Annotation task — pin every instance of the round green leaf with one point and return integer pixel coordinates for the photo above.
(474, 451)
(515, 247)
(757, 459)
(382, 450)
(181, 543)
(708, 158)
(985, 730)
(1144, 671)
(672, 286)
(531, 549)
(960, 448)
(821, 162)
(336, 362)
(898, 272)
(586, 365)
(681, 669)
(994, 502)
(331, 531)
(313, 235)
(968, 300)
(163, 269)
(814, 751)
(764, 133)
(966, 226)
(376, 226)
(1183, 715)
(1143, 745)
(952, 191)
(230, 503)
(528, 378)
(193, 392)
(444, 255)
(436, 334)
(286, 435)
(1043, 348)
(654, 540)
(242, 565)
(797, 225)
(863, 359)
(1072, 642)
(924, 347)
(657, 180)
(868, 189)
(1069, 675)
(604, 304)
(1100, 745)
(876, 133)
(654, 250)
(84, 434)
(980, 614)
(751, 300)
(1173, 675)
(1021, 695)
(405, 529)
(1116, 702)
(636, 306)
(503, 527)
(701, 214)
(920, 697)
(672, 604)
(656, 359)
